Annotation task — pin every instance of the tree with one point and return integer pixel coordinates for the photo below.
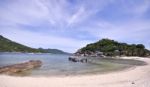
(108, 47)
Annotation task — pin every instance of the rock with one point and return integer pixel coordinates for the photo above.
(77, 59)
(15, 68)
(133, 83)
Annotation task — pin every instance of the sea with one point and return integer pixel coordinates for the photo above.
(59, 65)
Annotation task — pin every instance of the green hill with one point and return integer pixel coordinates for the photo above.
(7, 45)
(53, 51)
(113, 48)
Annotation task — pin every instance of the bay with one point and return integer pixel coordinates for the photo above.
(58, 64)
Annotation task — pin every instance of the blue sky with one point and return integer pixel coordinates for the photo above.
(71, 24)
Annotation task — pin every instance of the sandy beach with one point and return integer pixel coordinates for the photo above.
(133, 77)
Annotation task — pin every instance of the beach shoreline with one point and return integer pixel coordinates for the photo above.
(137, 76)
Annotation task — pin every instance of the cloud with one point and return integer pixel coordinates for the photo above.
(37, 40)
(57, 12)
(132, 31)
(75, 17)
(55, 23)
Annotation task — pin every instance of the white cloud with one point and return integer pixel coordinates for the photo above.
(135, 31)
(37, 40)
(57, 12)
(62, 16)
(76, 17)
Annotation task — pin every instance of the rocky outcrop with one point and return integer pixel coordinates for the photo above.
(16, 68)
(78, 59)
(89, 53)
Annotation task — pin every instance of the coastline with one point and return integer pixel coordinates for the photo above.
(137, 76)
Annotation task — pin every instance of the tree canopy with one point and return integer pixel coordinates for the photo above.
(110, 47)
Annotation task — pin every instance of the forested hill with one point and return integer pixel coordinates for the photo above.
(113, 48)
(7, 45)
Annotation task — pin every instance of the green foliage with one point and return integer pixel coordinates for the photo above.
(109, 48)
(7, 45)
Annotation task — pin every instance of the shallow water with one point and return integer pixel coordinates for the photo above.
(58, 64)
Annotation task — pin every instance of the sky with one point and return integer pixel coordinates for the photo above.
(71, 24)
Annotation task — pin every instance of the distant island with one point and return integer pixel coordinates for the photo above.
(108, 47)
(7, 45)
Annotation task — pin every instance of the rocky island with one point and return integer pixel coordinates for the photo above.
(105, 48)
(21, 67)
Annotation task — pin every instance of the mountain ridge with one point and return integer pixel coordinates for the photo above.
(7, 45)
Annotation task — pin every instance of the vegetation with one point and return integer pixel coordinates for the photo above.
(114, 48)
(7, 45)
(53, 51)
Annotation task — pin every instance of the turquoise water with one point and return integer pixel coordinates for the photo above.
(58, 64)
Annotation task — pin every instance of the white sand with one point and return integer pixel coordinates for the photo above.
(139, 75)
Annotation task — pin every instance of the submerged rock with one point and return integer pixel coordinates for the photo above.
(16, 68)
